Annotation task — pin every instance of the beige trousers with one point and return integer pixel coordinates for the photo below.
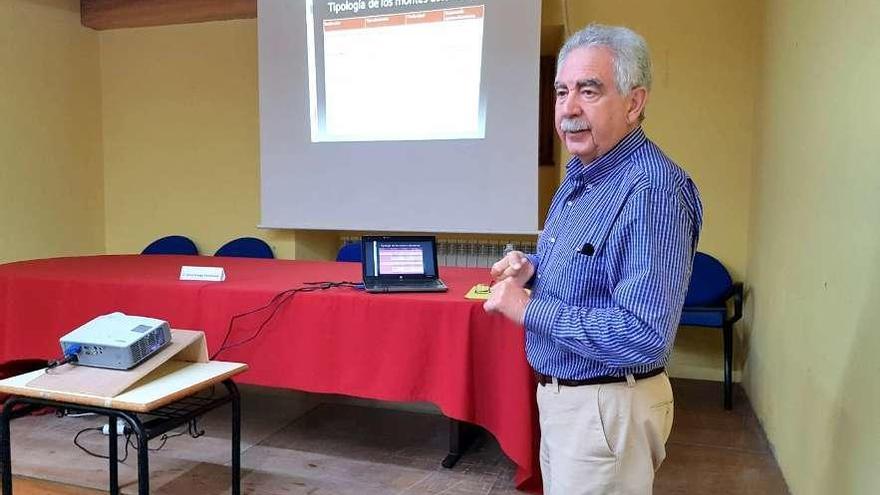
(604, 439)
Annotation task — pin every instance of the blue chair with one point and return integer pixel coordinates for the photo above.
(172, 244)
(350, 251)
(706, 305)
(246, 247)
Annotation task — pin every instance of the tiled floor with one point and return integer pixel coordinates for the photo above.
(300, 444)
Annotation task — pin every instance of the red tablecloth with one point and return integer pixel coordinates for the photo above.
(440, 348)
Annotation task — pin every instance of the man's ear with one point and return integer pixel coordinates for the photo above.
(638, 98)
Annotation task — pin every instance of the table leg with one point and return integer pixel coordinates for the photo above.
(236, 436)
(143, 453)
(461, 436)
(6, 446)
(113, 456)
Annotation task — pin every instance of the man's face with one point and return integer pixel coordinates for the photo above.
(591, 116)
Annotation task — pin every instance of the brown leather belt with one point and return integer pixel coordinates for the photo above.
(599, 380)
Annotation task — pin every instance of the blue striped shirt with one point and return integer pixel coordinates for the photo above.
(613, 264)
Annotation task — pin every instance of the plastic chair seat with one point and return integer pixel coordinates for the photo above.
(703, 317)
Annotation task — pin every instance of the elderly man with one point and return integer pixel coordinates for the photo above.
(609, 277)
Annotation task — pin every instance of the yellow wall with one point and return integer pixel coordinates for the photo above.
(701, 112)
(181, 135)
(51, 185)
(814, 261)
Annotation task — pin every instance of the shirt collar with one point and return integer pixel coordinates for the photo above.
(605, 164)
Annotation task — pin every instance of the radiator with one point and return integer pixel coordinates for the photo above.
(468, 252)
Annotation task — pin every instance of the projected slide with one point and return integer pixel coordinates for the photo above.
(387, 70)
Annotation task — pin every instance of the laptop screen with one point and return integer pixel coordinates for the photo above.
(399, 257)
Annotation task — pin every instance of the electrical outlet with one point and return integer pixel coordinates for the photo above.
(121, 427)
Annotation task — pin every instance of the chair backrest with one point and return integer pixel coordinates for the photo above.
(350, 251)
(710, 281)
(18, 367)
(172, 244)
(246, 247)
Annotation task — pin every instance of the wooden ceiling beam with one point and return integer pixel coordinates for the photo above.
(114, 14)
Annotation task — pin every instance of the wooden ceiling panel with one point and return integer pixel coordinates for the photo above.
(114, 14)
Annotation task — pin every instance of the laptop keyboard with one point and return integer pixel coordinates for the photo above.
(412, 283)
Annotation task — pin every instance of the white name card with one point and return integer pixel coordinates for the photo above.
(203, 273)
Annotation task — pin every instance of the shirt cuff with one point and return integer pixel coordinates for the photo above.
(533, 259)
(541, 314)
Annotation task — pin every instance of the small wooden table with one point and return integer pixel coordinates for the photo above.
(166, 399)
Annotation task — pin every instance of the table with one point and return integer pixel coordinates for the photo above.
(439, 348)
(168, 397)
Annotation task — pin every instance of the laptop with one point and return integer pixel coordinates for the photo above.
(400, 264)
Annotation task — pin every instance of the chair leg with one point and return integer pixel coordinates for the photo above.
(728, 366)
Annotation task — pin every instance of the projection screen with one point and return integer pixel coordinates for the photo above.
(399, 115)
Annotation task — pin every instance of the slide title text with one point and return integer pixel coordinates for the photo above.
(357, 6)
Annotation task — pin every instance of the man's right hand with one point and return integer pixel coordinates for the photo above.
(516, 266)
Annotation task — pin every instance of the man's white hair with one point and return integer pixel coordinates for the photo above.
(631, 59)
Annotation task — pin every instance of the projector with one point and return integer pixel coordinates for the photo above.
(116, 341)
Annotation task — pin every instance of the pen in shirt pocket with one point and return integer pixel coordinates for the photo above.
(587, 249)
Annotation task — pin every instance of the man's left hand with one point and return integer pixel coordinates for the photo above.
(509, 299)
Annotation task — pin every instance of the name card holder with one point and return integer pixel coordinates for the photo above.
(203, 273)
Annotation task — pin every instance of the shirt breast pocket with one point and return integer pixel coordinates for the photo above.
(586, 267)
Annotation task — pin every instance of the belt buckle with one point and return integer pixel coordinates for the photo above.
(543, 379)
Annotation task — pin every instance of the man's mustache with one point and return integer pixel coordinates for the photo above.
(574, 125)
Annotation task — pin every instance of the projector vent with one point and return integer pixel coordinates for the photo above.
(146, 345)
(139, 350)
